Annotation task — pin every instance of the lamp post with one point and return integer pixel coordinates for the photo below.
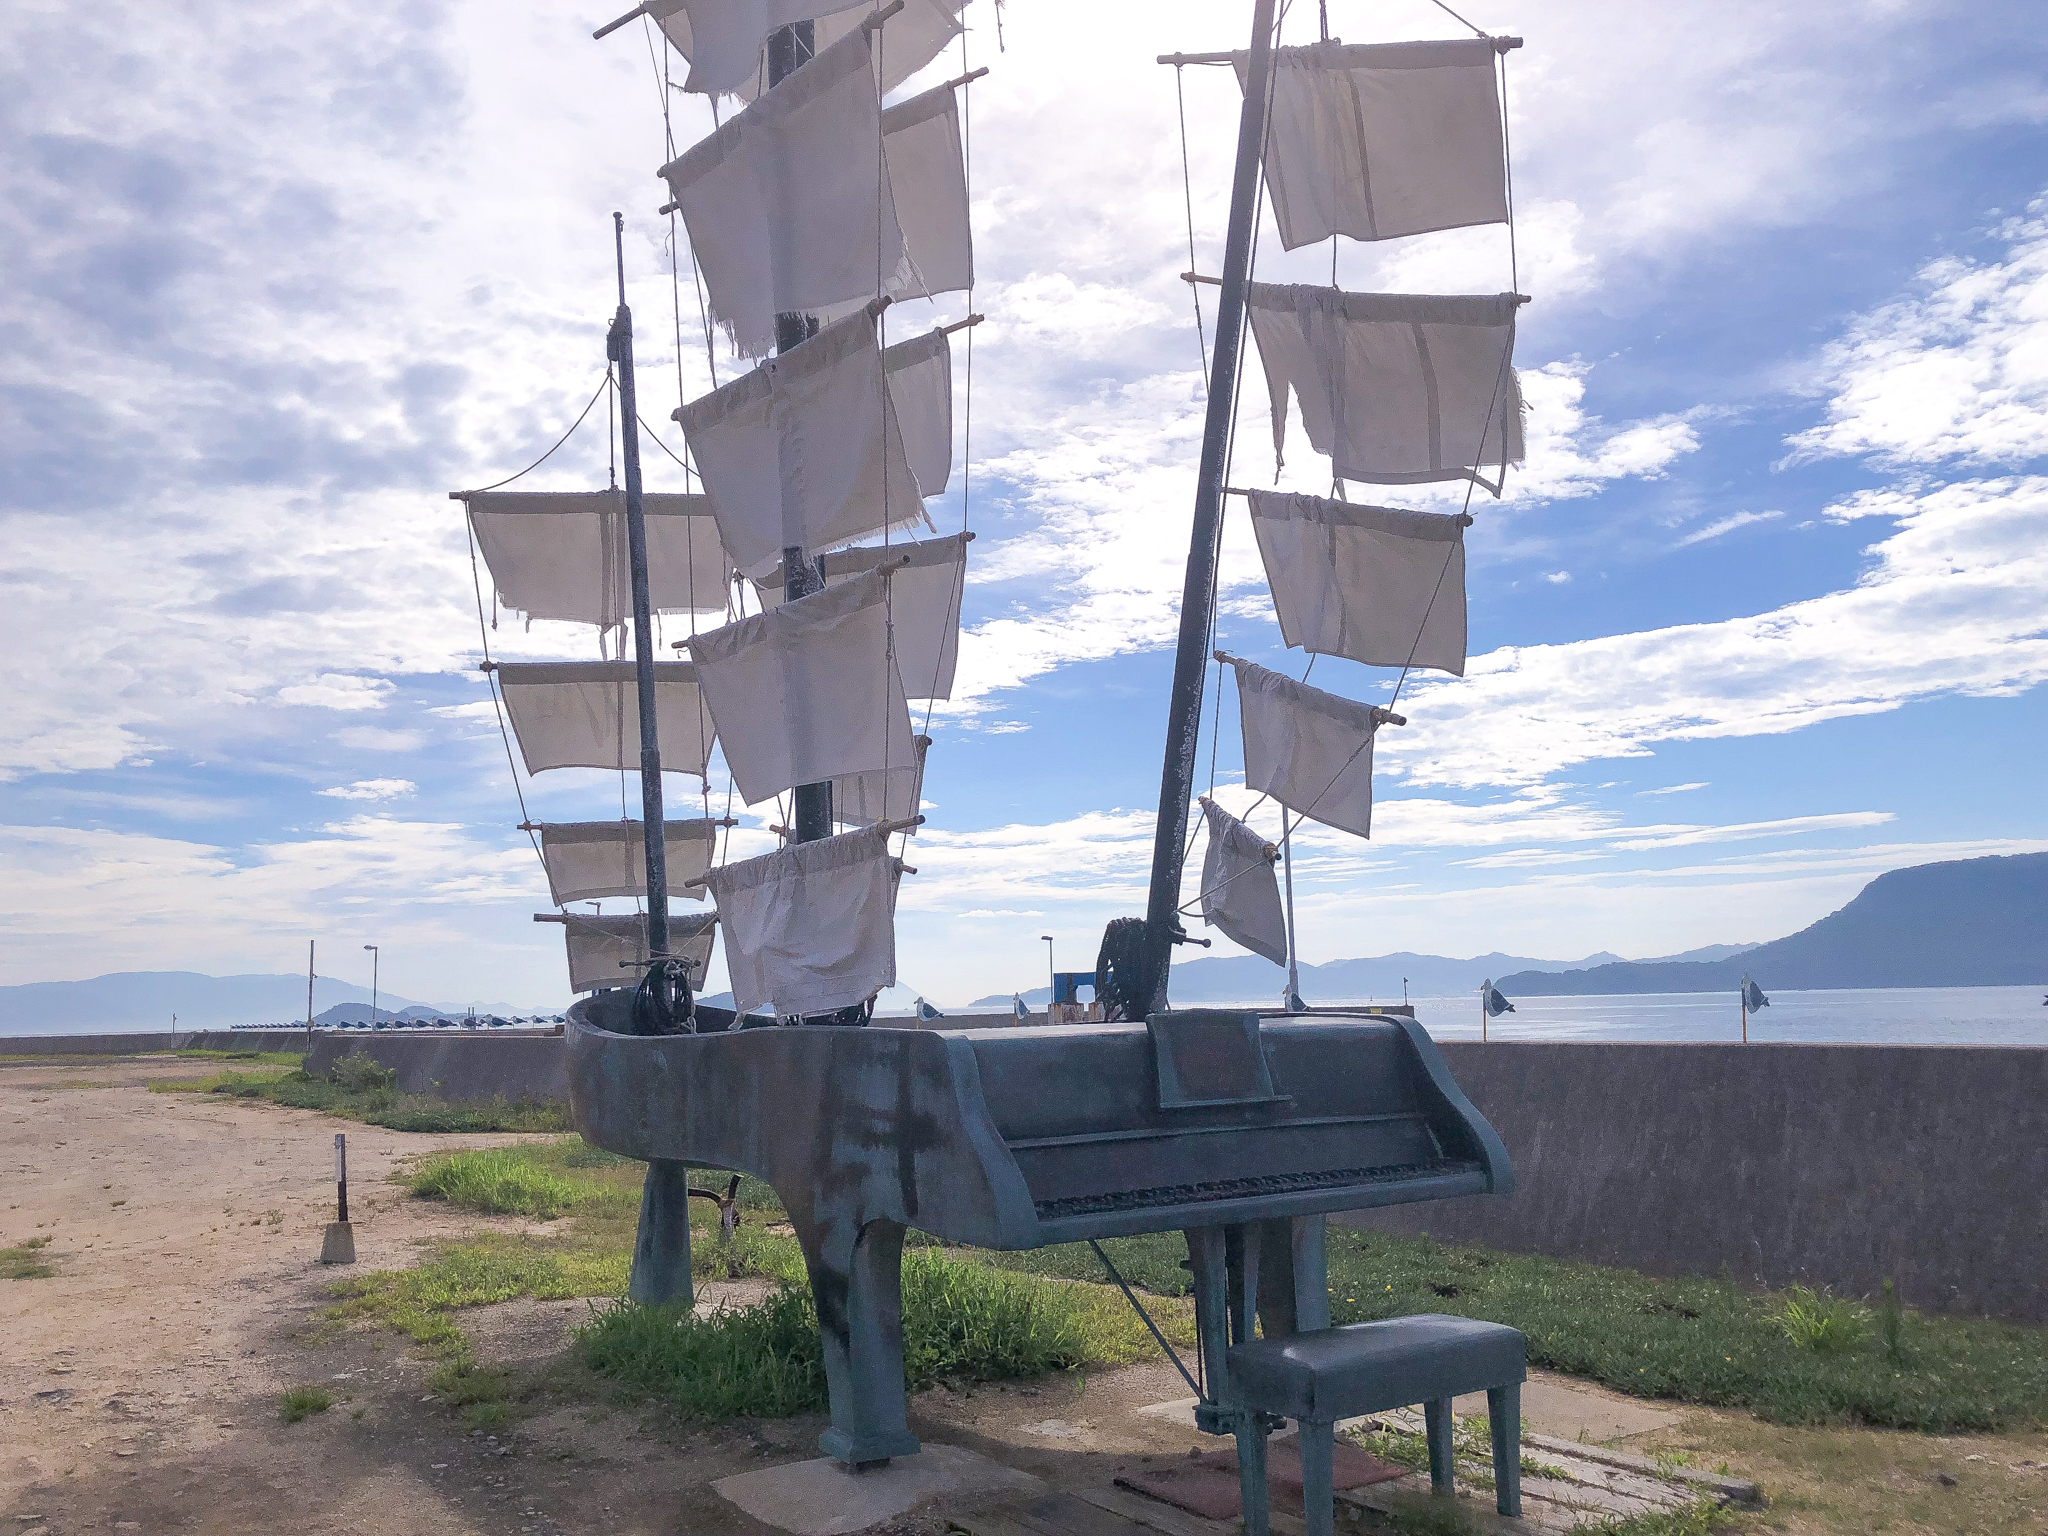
(374, 958)
(1051, 977)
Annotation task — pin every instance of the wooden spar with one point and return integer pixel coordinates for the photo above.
(651, 816)
(1197, 602)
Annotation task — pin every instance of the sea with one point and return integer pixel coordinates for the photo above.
(1876, 1016)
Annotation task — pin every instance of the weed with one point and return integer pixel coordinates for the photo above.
(1700, 1518)
(303, 1402)
(543, 1180)
(378, 1104)
(360, 1072)
(1820, 1322)
(1891, 1324)
(25, 1261)
(1425, 1514)
(258, 1058)
(763, 1360)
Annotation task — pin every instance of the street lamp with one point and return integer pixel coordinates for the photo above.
(374, 958)
(1051, 977)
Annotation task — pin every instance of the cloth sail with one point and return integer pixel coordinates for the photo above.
(1310, 750)
(586, 714)
(920, 375)
(724, 41)
(562, 554)
(810, 928)
(807, 691)
(1383, 140)
(892, 794)
(926, 604)
(789, 211)
(786, 203)
(612, 951)
(1240, 894)
(1494, 1000)
(1396, 388)
(587, 860)
(1376, 584)
(804, 450)
(1753, 996)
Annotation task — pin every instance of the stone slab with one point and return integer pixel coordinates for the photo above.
(823, 1498)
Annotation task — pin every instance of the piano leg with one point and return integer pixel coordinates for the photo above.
(661, 1248)
(1225, 1262)
(857, 1281)
(1294, 1284)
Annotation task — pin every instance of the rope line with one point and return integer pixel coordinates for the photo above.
(536, 464)
(1187, 194)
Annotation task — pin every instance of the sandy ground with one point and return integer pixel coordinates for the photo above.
(139, 1387)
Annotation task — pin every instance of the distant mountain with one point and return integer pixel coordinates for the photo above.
(1965, 923)
(147, 1000)
(1247, 978)
(1704, 952)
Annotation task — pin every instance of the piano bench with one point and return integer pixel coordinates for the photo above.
(1319, 1377)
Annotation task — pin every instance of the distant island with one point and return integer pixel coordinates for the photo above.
(1964, 923)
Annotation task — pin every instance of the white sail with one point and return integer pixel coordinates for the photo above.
(612, 951)
(862, 799)
(723, 39)
(920, 374)
(914, 36)
(787, 206)
(804, 450)
(562, 554)
(1376, 584)
(930, 581)
(588, 860)
(928, 186)
(585, 714)
(1310, 750)
(1384, 140)
(1396, 388)
(807, 691)
(1239, 892)
(810, 928)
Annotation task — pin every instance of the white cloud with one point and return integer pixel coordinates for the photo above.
(338, 690)
(1957, 371)
(1950, 605)
(1714, 530)
(1742, 831)
(1674, 789)
(375, 738)
(1557, 578)
(372, 789)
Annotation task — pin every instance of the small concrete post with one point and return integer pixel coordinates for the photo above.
(339, 1246)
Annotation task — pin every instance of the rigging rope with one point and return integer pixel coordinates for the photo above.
(1187, 195)
(536, 464)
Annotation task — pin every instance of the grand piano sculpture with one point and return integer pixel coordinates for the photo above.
(1244, 1130)
(1241, 1129)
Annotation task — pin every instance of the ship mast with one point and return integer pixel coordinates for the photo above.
(653, 826)
(789, 48)
(1198, 592)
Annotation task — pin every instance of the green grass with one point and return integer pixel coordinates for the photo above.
(303, 1402)
(1694, 1340)
(26, 1261)
(962, 1321)
(543, 1180)
(255, 1058)
(1701, 1518)
(371, 1097)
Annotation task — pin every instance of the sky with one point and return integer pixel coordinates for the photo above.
(1764, 614)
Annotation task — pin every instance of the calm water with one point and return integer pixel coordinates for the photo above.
(1887, 1016)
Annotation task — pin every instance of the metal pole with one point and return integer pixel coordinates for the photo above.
(374, 957)
(1191, 657)
(789, 49)
(1052, 983)
(309, 993)
(1294, 1003)
(340, 1176)
(652, 821)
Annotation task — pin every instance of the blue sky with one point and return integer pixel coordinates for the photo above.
(1762, 616)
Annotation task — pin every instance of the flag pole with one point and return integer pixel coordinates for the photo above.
(1482, 1009)
(1742, 999)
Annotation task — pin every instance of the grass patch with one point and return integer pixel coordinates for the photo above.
(1471, 1447)
(963, 1321)
(543, 1180)
(361, 1089)
(26, 1261)
(1701, 1518)
(303, 1402)
(1695, 1340)
(1709, 1341)
(254, 1058)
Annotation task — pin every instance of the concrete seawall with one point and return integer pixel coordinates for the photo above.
(459, 1068)
(1834, 1165)
(146, 1044)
